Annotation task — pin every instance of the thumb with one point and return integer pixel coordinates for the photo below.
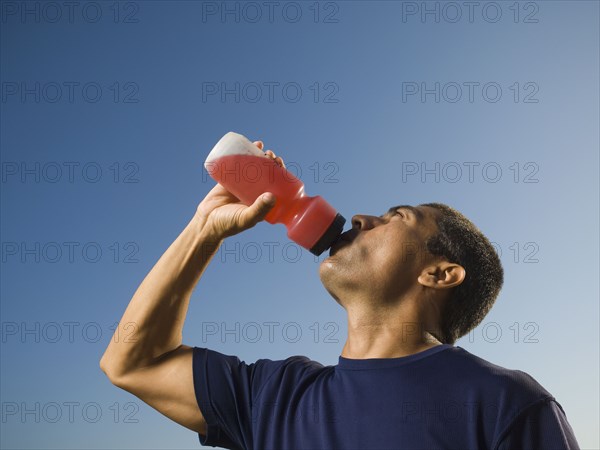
(258, 210)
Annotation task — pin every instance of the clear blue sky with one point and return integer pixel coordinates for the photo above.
(102, 168)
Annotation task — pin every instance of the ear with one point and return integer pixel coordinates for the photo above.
(443, 275)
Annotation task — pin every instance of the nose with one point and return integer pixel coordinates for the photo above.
(363, 222)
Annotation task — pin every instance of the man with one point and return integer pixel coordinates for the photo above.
(412, 281)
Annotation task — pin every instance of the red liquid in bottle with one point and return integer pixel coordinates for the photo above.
(248, 176)
(247, 173)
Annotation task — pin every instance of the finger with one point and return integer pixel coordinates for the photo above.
(279, 161)
(257, 211)
(275, 158)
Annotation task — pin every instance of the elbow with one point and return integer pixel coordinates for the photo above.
(106, 368)
(112, 372)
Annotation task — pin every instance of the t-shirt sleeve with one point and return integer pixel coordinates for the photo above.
(225, 388)
(541, 426)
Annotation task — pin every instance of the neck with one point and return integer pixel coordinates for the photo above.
(386, 332)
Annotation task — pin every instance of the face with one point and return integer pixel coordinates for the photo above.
(381, 256)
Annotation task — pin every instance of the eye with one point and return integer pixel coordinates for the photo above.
(399, 213)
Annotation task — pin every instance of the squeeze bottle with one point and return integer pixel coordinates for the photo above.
(247, 172)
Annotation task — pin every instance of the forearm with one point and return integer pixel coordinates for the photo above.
(153, 321)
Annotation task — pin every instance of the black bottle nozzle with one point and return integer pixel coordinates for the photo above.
(331, 235)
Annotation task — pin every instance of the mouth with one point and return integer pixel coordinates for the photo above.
(336, 245)
(348, 236)
(343, 239)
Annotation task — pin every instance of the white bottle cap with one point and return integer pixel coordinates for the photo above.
(232, 144)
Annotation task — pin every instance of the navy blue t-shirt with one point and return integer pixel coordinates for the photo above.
(441, 398)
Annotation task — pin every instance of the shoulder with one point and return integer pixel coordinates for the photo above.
(296, 367)
(300, 362)
(259, 371)
(499, 382)
(501, 395)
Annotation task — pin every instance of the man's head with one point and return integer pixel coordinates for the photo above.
(429, 255)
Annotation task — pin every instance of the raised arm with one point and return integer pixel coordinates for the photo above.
(151, 362)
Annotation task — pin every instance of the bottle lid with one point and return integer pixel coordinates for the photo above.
(330, 235)
(231, 144)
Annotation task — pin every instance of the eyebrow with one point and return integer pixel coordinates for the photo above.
(417, 212)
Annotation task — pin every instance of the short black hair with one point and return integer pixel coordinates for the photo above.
(459, 241)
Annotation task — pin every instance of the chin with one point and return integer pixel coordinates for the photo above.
(324, 267)
(331, 277)
(328, 268)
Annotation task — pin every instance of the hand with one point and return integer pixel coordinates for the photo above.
(222, 214)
